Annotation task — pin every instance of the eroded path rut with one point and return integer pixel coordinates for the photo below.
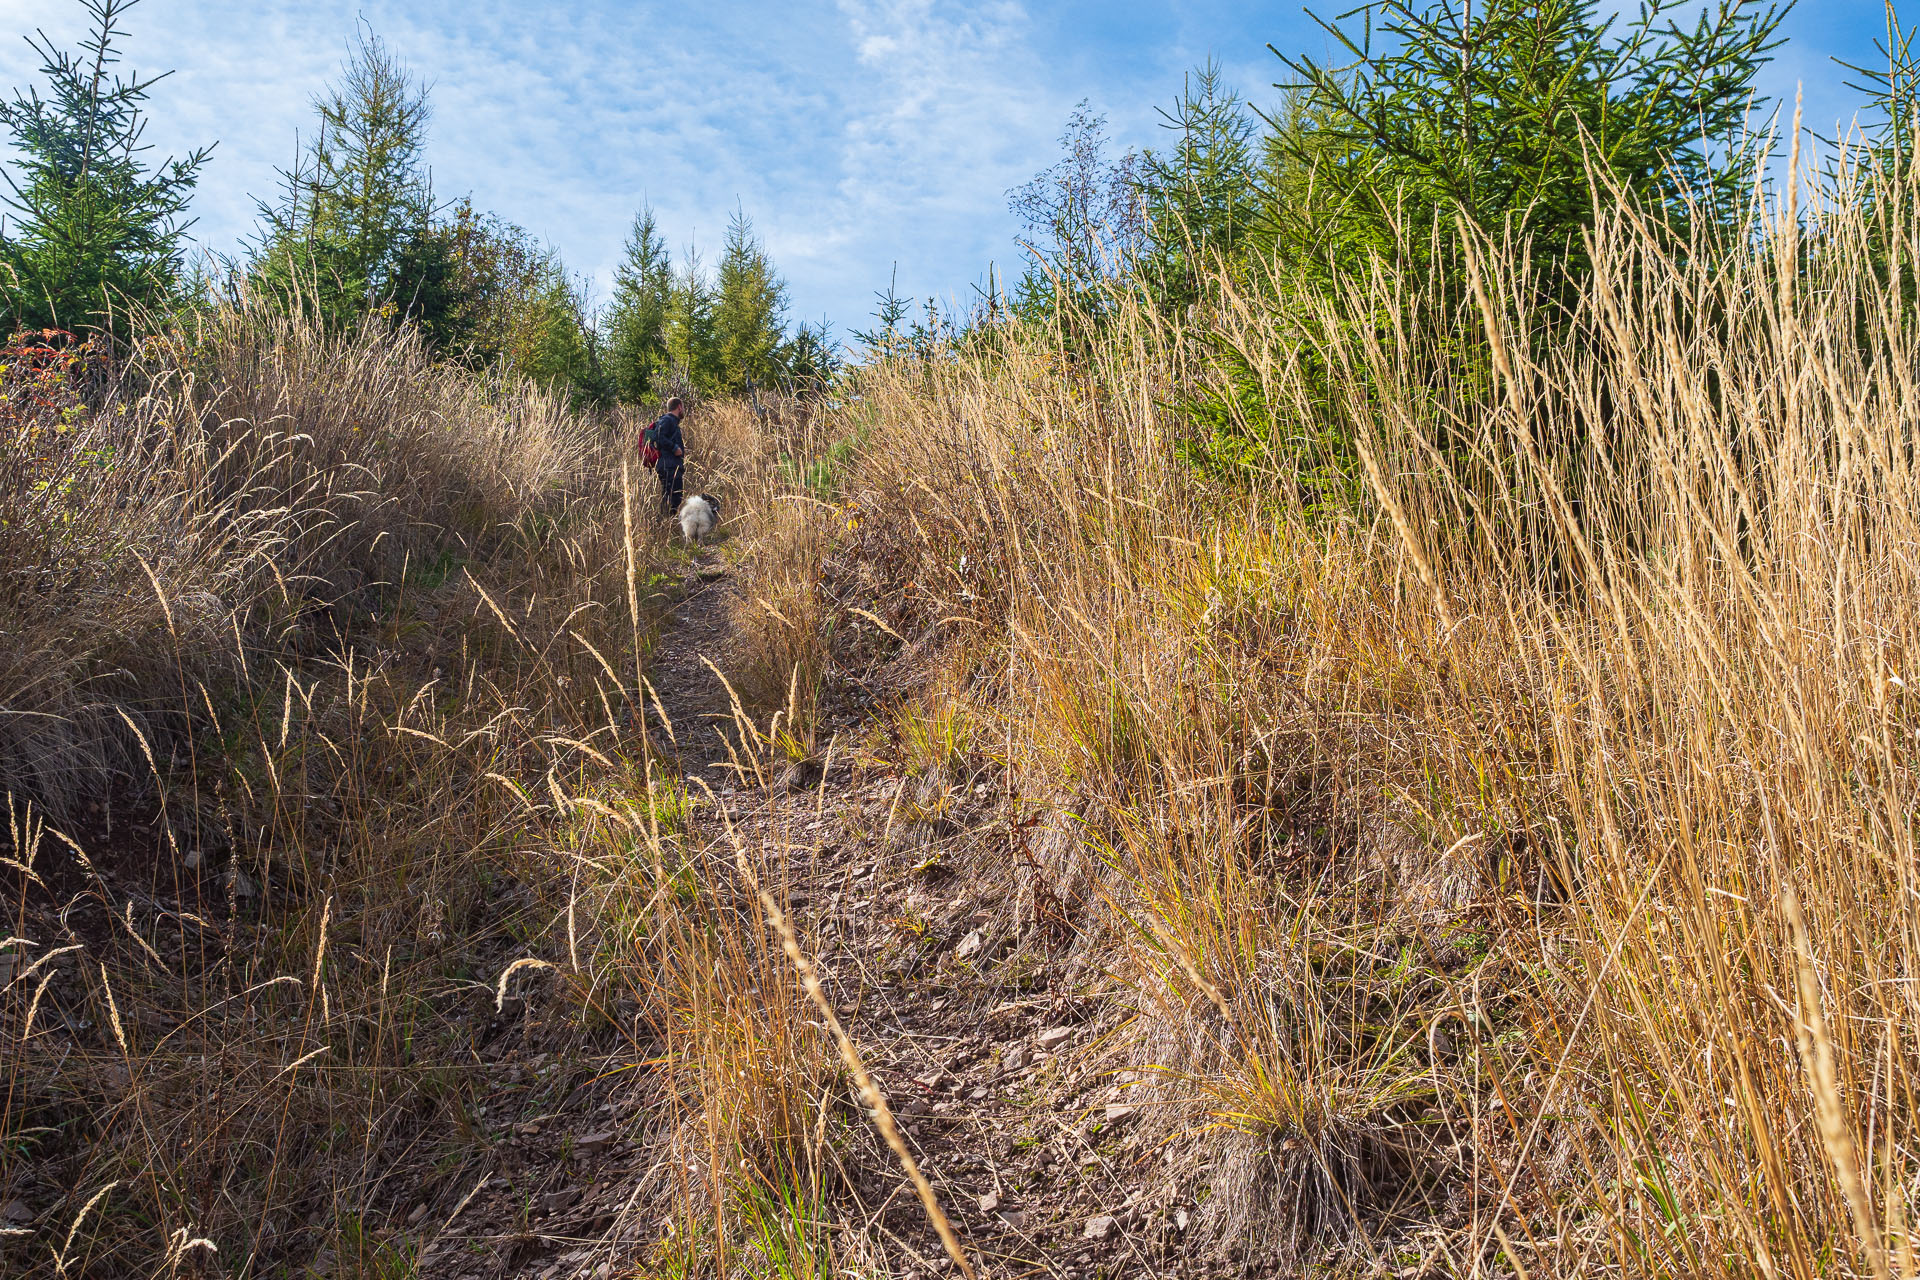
(990, 1053)
(694, 712)
(992, 1061)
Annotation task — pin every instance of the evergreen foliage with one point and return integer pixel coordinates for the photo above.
(1515, 120)
(492, 272)
(810, 359)
(1200, 198)
(886, 338)
(636, 323)
(512, 303)
(898, 334)
(357, 233)
(692, 354)
(677, 329)
(354, 230)
(749, 314)
(1892, 93)
(1521, 115)
(96, 232)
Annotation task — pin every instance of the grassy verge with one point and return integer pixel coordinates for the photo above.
(338, 845)
(1506, 850)
(1492, 842)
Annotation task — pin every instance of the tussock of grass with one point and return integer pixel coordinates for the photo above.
(1500, 830)
(248, 484)
(1443, 821)
(781, 627)
(329, 784)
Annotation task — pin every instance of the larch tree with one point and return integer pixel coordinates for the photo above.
(353, 231)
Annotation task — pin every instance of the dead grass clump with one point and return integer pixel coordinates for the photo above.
(288, 1032)
(1204, 695)
(783, 629)
(250, 478)
(359, 703)
(354, 648)
(1455, 810)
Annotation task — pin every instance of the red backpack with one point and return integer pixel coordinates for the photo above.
(649, 451)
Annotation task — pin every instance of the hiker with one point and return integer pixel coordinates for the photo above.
(665, 438)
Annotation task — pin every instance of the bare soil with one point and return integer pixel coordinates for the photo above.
(986, 1036)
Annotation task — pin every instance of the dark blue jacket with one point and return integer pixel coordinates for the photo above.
(667, 439)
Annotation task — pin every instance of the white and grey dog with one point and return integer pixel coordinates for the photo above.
(698, 515)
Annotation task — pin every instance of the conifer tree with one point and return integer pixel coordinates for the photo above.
(1200, 195)
(749, 318)
(810, 358)
(1503, 116)
(354, 228)
(94, 228)
(692, 353)
(885, 339)
(636, 324)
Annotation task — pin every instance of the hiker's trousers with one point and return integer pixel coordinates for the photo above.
(670, 484)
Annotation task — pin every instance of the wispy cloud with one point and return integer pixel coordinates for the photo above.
(951, 105)
(856, 133)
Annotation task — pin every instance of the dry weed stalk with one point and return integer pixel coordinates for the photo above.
(327, 598)
(1491, 685)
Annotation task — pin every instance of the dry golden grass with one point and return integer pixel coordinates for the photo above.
(249, 468)
(345, 677)
(1448, 826)
(1506, 841)
(781, 628)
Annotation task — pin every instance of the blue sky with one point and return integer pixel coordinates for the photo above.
(855, 133)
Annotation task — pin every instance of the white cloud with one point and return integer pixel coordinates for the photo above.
(855, 133)
(950, 107)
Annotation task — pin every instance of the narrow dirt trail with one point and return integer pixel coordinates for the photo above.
(990, 1059)
(985, 1038)
(694, 711)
